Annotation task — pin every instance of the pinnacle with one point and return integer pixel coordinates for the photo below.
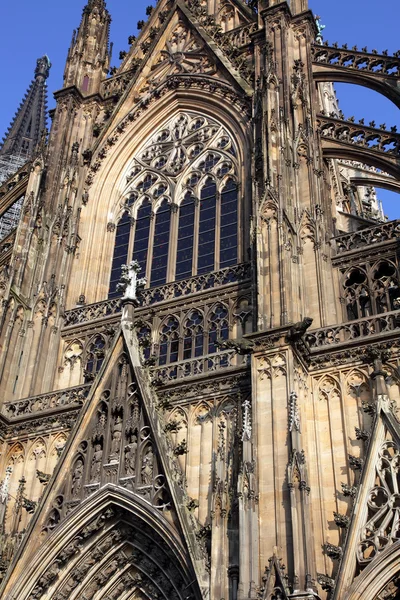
(43, 66)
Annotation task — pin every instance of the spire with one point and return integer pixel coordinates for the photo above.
(88, 58)
(26, 128)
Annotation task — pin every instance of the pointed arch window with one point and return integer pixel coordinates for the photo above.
(94, 358)
(120, 252)
(159, 264)
(189, 164)
(142, 234)
(169, 342)
(184, 255)
(229, 224)
(207, 221)
(193, 342)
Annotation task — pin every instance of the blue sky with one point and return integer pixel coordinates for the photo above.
(30, 29)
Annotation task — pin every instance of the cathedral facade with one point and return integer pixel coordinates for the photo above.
(200, 317)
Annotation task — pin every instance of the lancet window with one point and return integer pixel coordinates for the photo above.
(94, 358)
(180, 215)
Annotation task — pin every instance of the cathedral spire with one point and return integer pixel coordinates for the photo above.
(26, 128)
(88, 58)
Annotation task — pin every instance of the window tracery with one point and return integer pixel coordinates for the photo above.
(370, 290)
(94, 358)
(180, 209)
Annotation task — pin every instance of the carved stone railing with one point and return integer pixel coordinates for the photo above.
(163, 293)
(354, 330)
(49, 401)
(362, 135)
(98, 310)
(367, 237)
(198, 366)
(241, 36)
(115, 86)
(371, 62)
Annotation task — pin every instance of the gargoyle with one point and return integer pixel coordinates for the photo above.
(297, 331)
(241, 346)
(43, 477)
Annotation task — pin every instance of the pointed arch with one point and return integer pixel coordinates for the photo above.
(111, 538)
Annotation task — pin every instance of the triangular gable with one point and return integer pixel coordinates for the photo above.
(375, 523)
(115, 509)
(181, 48)
(275, 583)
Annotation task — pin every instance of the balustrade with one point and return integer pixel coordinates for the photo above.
(163, 293)
(354, 330)
(49, 401)
(198, 366)
(367, 237)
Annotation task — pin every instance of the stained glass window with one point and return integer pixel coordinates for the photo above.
(161, 244)
(120, 252)
(229, 224)
(206, 249)
(185, 164)
(142, 232)
(184, 256)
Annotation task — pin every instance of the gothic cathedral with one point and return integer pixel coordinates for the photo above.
(200, 317)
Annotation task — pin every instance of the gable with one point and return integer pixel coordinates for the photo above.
(375, 515)
(114, 511)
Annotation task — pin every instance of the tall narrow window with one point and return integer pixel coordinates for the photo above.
(229, 225)
(206, 249)
(193, 341)
(184, 257)
(161, 244)
(142, 232)
(169, 342)
(120, 253)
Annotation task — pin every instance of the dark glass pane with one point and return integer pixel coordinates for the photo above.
(187, 346)
(184, 257)
(163, 352)
(206, 250)
(161, 245)
(142, 231)
(120, 253)
(173, 357)
(229, 224)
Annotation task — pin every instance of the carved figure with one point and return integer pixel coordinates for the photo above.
(297, 331)
(96, 463)
(116, 440)
(148, 468)
(130, 456)
(241, 346)
(77, 478)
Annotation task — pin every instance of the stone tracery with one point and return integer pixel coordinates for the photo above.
(190, 158)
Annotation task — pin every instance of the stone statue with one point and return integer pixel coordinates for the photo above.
(147, 468)
(116, 440)
(96, 463)
(130, 456)
(77, 478)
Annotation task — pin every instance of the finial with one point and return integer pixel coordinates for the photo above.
(320, 28)
(129, 282)
(5, 486)
(43, 66)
